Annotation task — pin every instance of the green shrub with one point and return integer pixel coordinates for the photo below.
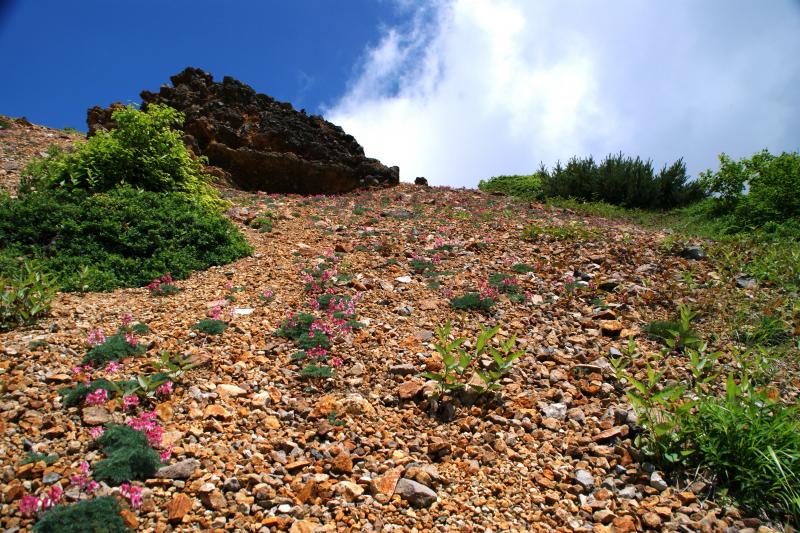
(128, 456)
(526, 187)
(211, 326)
(317, 340)
(773, 189)
(504, 283)
(121, 238)
(753, 446)
(35, 457)
(114, 348)
(74, 396)
(97, 515)
(25, 295)
(472, 301)
(522, 268)
(621, 180)
(144, 151)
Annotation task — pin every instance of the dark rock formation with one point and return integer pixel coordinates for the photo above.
(261, 143)
(421, 180)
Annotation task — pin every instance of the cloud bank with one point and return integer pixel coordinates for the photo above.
(469, 89)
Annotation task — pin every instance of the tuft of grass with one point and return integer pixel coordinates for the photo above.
(572, 232)
(522, 268)
(210, 326)
(128, 456)
(115, 347)
(472, 301)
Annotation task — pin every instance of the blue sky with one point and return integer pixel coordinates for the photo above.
(454, 90)
(61, 57)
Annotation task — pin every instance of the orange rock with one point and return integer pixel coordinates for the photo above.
(342, 464)
(384, 485)
(624, 524)
(130, 519)
(409, 389)
(178, 507)
(164, 411)
(323, 407)
(307, 492)
(216, 411)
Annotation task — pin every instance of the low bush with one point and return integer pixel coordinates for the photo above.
(144, 151)
(85, 516)
(526, 187)
(473, 301)
(772, 185)
(210, 326)
(128, 456)
(121, 238)
(25, 296)
(114, 348)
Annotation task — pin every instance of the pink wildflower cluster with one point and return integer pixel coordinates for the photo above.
(112, 367)
(84, 481)
(155, 285)
(98, 397)
(165, 389)
(267, 295)
(29, 505)
(127, 320)
(95, 337)
(486, 291)
(96, 432)
(130, 401)
(133, 493)
(216, 312)
(130, 338)
(147, 424)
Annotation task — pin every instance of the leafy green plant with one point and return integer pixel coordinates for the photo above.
(676, 334)
(456, 362)
(504, 283)
(25, 296)
(114, 348)
(504, 358)
(128, 456)
(295, 326)
(522, 268)
(314, 371)
(144, 151)
(121, 238)
(422, 266)
(262, 223)
(34, 457)
(86, 516)
(472, 301)
(210, 326)
(74, 396)
(771, 330)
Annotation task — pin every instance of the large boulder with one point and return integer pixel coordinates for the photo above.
(261, 143)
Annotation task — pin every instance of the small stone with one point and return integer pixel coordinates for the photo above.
(348, 490)
(603, 516)
(356, 370)
(409, 389)
(217, 411)
(180, 470)
(178, 507)
(342, 464)
(557, 411)
(657, 482)
(213, 500)
(628, 493)
(385, 485)
(226, 389)
(687, 497)
(624, 524)
(403, 279)
(95, 415)
(415, 493)
(403, 370)
(585, 479)
(610, 328)
(743, 281)
(651, 520)
(231, 485)
(693, 252)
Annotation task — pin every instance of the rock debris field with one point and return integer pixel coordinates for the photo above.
(258, 446)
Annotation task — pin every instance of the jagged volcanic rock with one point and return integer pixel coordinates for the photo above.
(261, 143)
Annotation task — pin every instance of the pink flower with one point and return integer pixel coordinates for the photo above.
(146, 423)
(133, 493)
(216, 312)
(130, 338)
(165, 389)
(95, 337)
(130, 401)
(268, 294)
(126, 320)
(98, 397)
(166, 454)
(229, 285)
(336, 362)
(96, 432)
(112, 367)
(83, 481)
(166, 278)
(29, 505)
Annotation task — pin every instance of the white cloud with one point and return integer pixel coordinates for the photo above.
(474, 88)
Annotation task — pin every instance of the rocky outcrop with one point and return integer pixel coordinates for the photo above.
(261, 143)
